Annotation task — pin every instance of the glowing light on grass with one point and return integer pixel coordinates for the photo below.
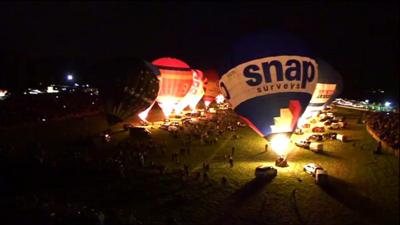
(279, 144)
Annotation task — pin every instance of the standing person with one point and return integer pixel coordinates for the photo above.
(142, 160)
(231, 161)
(378, 148)
(224, 180)
(233, 151)
(186, 170)
(266, 147)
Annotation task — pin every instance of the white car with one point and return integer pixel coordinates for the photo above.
(265, 172)
(303, 143)
(312, 168)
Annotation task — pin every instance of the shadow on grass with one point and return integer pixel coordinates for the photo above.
(260, 153)
(349, 197)
(234, 203)
(330, 155)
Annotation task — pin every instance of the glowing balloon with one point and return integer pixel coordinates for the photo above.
(175, 81)
(197, 90)
(194, 95)
(212, 89)
(328, 88)
(269, 80)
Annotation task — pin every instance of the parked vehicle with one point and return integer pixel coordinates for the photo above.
(326, 118)
(315, 137)
(342, 124)
(265, 172)
(175, 123)
(339, 118)
(302, 143)
(165, 126)
(329, 136)
(172, 128)
(318, 129)
(316, 147)
(334, 126)
(298, 131)
(312, 168)
(341, 137)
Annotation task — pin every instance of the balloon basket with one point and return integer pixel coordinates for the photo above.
(281, 162)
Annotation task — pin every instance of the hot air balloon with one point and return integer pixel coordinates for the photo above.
(176, 78)
(126, 87)
(328, 87)
(195, 93)
(212, 89)
(269, 80)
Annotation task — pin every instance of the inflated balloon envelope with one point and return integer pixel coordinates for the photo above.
(329, 86)
(269, 80)
(175, 81)
(132, 86)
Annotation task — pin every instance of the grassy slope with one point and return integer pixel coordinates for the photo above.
(363, 190)
(364, 187)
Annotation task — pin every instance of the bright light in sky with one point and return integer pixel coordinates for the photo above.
(70, 77)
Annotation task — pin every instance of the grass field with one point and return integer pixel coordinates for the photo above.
(363, 187)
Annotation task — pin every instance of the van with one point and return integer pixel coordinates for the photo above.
(341, 137)
(321, 177)
(316, 147)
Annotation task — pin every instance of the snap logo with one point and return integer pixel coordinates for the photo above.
(280, 70)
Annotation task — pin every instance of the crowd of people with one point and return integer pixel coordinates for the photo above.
(25, 109)
(85, 159)
(386, 126)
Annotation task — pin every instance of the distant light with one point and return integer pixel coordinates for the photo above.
(387, 104)
(44, 119)
(56, 96)
(64, 106)
(367, 101)
(92, 103)
(76, 84)
(50, 89)
(70, 77)
(34, 92)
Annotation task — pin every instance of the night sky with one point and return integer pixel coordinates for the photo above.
(51, 39)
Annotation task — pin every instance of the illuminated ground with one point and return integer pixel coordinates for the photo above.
(363, 190)
(363, 186)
